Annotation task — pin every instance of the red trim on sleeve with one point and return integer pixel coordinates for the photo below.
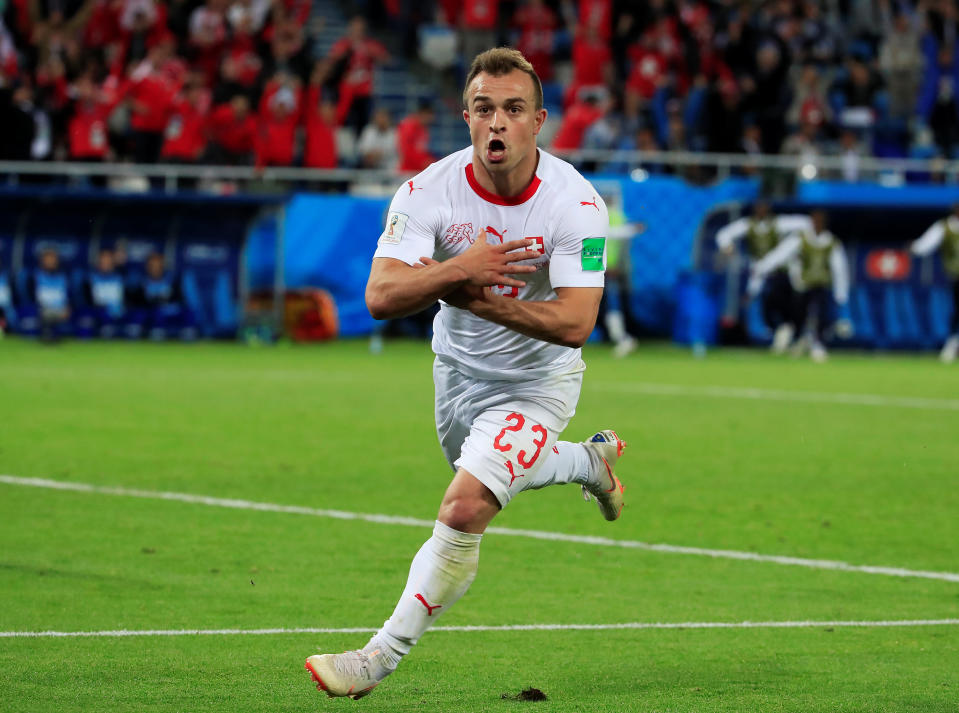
(500, 200)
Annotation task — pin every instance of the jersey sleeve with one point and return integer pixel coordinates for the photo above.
(729, 234)
(579, 246)
(411, 226)
(778, 256)
(840, 273)
(929, 240)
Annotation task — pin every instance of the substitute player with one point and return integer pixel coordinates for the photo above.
(944, 235)
(512, 241)
(817, 263)
(762, 232)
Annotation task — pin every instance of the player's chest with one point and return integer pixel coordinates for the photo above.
(463, 228)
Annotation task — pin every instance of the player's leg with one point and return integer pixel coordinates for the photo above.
(516, 448)
(777, 310)
(443, 568)
(800, 320)
(614, 319)
(441, 572)
(819, 308)
(590, 464)
(951, 348)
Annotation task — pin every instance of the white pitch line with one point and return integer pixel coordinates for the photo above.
(508, 531)
(119, 633)
(732, 392)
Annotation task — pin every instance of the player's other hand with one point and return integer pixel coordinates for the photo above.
(467, 296)
(486, 264)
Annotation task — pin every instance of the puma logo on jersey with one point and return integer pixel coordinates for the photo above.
(429, 609)
(494, 231)
(592, 202)
(412, 188)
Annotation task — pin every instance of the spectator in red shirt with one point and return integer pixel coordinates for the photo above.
(576, 120)
(279, 119)
(208, 36)
(87, 128)
(354, 57)
(597, 16)
(241, 65)
(103, 27)
(592, 64)
(536, 22)
(319, 118)
(153, 86)
(413, 140)
(649, 70)
(232, 130)
(185, 136)
(478, 26)
(142, 26)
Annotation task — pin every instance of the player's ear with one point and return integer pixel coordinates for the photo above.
(466, 117)
(539, 120)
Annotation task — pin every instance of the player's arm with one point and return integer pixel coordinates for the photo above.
(779, 255)
(729, 234)
(840, 273)
(397, 288)
(786, 224)
(568, 320)
(930, 240)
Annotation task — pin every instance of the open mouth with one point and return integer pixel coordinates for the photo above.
(496, 150)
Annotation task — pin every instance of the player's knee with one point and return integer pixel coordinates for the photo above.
(461, 513)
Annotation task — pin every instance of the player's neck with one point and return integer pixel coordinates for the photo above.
(509, 184)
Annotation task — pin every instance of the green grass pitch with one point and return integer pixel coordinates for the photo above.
(870, 481)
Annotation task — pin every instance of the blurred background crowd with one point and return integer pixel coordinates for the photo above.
(323, 84)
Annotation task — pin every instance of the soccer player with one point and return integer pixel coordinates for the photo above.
(105, 293)
(508, 366)
(49, 288)
(944, 234)
(816, 262)
(763, 231)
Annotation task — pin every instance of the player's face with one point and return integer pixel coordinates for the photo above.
(504, 121)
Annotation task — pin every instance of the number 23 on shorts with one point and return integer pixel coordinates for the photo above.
(515, 423)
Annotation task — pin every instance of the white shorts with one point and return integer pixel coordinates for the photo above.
(501, 431)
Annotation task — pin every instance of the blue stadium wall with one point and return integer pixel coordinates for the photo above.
(328, 241)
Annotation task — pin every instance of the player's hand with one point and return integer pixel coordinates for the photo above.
(487, 264)
(467, 296)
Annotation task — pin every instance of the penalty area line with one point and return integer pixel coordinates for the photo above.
(596, 541)
(121, 633)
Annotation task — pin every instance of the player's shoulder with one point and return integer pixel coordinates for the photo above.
(437, 178)
(562, 179)
(570, 197)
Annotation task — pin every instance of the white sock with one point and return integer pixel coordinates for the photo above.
(567, 463)
(440, 574)
(615, 326)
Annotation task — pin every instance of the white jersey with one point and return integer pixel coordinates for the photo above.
(439, 214)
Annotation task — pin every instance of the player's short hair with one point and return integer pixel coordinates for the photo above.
(499, 61)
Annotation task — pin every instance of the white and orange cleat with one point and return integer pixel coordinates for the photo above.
(348, 674)
(604, 449)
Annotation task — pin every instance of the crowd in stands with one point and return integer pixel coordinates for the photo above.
(187, 81)
(237, 81)
(799, 77)
(110, 298)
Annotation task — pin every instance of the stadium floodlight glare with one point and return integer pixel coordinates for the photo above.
(808, 172)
